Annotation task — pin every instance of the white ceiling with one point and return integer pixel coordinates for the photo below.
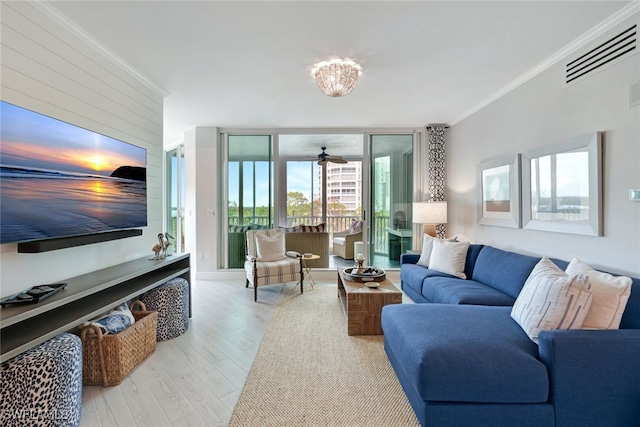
(247, 64)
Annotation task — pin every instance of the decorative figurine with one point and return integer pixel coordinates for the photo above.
(167, 243)
(158, 248)
(161, 248)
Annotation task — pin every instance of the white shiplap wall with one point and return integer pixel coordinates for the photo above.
(50, 67)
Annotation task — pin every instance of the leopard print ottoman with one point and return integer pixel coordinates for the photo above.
(43, 385)
(171, 301)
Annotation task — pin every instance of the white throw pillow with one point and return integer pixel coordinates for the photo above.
(427, 248)
(270, 248)
(449, 257)
(609, 296)
(551, 299)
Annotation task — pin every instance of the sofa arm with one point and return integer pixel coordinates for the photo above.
(594, 376)
(409, 258)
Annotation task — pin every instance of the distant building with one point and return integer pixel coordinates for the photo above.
(344, 184)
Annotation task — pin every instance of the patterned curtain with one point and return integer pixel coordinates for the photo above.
(437, 168)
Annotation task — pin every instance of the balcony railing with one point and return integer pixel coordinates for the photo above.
(334, 224)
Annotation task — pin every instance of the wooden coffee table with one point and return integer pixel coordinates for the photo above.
(363, 305)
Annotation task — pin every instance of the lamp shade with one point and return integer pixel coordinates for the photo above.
(430, 212)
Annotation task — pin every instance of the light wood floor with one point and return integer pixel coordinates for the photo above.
(196, 378)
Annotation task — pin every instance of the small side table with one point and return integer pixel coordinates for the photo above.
(307, 269)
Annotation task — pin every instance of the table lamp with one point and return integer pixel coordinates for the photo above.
(430, 214)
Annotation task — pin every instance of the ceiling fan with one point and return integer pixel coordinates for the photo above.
(324, 158)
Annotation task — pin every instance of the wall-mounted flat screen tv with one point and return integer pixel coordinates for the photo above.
(60, 180)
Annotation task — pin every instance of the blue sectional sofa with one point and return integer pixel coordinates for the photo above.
(463, 361)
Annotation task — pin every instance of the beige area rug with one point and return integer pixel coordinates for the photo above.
(309, 372)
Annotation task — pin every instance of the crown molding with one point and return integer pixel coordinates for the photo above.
(61, 19)
(597, 31)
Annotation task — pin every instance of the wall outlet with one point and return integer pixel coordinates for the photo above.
(207, 255)
(634, 195)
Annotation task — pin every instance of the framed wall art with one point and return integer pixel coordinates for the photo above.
(562, 186)
(499, 191)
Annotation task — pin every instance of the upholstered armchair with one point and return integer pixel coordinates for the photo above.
(343, 240)
(267, 261)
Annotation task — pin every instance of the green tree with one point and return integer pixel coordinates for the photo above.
(297, 204)
(336, 209)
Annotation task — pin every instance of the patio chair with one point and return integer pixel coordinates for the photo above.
(343, 240)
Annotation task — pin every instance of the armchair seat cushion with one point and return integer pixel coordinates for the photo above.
(339, 240)
(276, 269)
(471, 354)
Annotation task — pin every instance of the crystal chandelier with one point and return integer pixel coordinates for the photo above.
(336, 77)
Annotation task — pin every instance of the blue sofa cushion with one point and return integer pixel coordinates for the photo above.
(413, 275)
(502, 270)
(631, 315)
(410, 258)
(472, 257)
(465, 353)
(455, 291)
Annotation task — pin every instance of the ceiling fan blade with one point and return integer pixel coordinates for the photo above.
(335, 159)
(322, 162)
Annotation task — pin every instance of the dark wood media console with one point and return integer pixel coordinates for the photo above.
(85, 297)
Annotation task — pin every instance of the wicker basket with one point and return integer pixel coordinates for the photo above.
(108, 359)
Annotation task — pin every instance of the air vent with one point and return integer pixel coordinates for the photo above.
(611, 50)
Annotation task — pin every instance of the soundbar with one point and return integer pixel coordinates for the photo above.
(47, 245)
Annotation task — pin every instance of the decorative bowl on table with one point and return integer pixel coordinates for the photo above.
(369, 274)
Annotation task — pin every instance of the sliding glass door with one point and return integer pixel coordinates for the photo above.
(249, 191)
(390, 229)
(174, 215)
(282, 180)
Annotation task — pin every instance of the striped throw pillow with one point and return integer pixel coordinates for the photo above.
(551, 299)
(320, 228)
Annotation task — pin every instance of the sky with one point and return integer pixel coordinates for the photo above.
(29, 139)
(572, 174)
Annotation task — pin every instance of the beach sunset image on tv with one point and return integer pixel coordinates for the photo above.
(57, 179)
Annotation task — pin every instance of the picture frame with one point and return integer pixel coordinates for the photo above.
(562, 186)
(499, 191)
